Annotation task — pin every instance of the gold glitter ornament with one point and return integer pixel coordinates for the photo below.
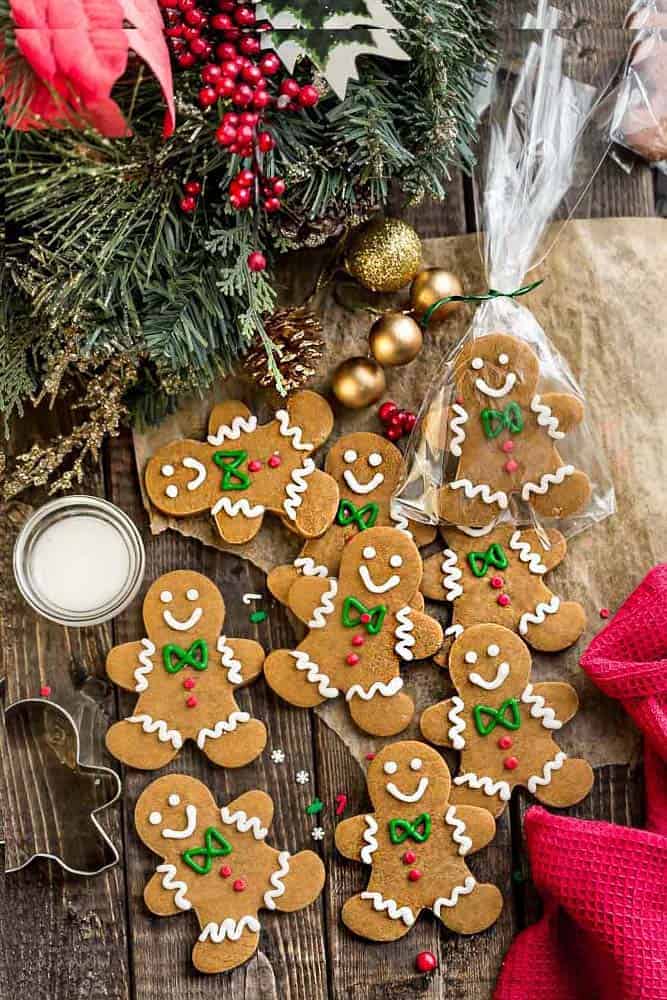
(384, 256)
(358, 382)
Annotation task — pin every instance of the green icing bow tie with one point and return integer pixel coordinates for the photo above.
(207, 852)
(419, 830)
(481, 561)
(175, 657)
(355, 613)
(495, 421)
(364, 517)
(233, 478)
(486, 718)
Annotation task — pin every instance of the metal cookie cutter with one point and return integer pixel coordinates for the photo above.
(51, 799)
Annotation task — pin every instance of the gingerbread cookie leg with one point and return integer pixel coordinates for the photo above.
(312, 500)
(296, 678)
(280, 581)
(378, 713)
(215, 951)
(492, 796)
(143, 742)
(372, 916)
(234, 748)
(238, 521)
(463, 502)
(470, 907)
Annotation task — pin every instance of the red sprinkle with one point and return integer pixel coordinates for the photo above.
(510, 763)
(45, 691)
(189, 683)
(191, 701)
(504, 743)
(605, 612)
(497, 582)
(511, 465)
(459, 400)
(240, 885)
(503, 600)
(365, 618)
(275, 461)
(370, 756)
(341, 802)
(225, 871)
(508, 446)
(426, 962)
(414, 874)
(255, 465)
(351, 659)
(409, 858)
(357, 640)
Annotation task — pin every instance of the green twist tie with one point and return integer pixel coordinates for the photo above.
(492, 293)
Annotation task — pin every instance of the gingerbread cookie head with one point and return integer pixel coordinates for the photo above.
(182, 603)
(496, 366)
(181, 479)
(408, 776)
(489, 658)
(381, 564)
(365, 465)
(172, 812)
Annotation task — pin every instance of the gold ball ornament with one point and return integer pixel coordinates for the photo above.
(358, 382)
(395, 339)
(384, 255)
(430, 285)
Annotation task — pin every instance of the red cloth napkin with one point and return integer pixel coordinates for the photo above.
(603, 935)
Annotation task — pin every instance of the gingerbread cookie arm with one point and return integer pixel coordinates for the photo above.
(432, 581)
(231, 413)
(245, 660)
(550, 557)
(300, 885)
(422, 534)
(316, 500)
(161, 900)
(251, 812)
(427, 635)
(123, 661)
(567, 410)
(312, 414)
(350, 839)
(441, 724)
(480, 827)
(310, 598)
(560, 697)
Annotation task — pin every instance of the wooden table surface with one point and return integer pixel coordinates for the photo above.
(66, 938)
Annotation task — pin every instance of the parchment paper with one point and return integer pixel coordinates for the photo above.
(602, 303)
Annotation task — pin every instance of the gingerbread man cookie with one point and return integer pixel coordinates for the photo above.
(243, 470)
(361, 626)
(503, 434)
(416, 842)
(367, 469)
(497, 576)
(216, 862)
(185, 673)
(503, 725)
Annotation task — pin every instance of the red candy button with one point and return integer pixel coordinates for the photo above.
(497, 582)
(239, 885)
(254, 466)
(511, 465)
(426, 961)
(409, 858)
(510, 763)
(189, 683)
(225, 871)
(508, 446)
(351, 659)
(504, 743)
(503, 600)
(357, 640)
(365, 618)
(414, 874)
(274, 461)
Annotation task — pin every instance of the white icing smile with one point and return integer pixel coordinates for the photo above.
(488, 390)
(188, 829)
(362, 488)
(180, 626)
(378, 588)
(200, 472)
(502, 674)
(403, 796)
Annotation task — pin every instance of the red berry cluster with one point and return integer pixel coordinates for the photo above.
(188, 202)
(397, 422)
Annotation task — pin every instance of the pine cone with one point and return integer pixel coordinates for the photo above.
(296, 336)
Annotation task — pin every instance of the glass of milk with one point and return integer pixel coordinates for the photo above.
(79, 560)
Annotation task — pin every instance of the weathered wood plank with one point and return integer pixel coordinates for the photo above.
(291, 962)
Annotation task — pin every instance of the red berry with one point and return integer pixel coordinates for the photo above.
(244, 197)
(166, 4)
(231, 35)
(186, 4)
(207, 96)
(252, 74)
(408, 420)
(250, 45)
(188, 203)
(198, 46)
(261, 99)
(226, 5)
(211, 73)
(272, 205)
(278, 186)
(195, 18)
(244, 17)
(225, 86)
(225, 51)
(426, 961)
(395, 421)
(234, 201)
(269, 64)
(246, 177)
(174, 31)
(189, 32)
(230, 68)
(265, 141)
(192, 187)
(394, 433)
(242, 95)
(387, 411)
(221, 22)
(186, 59)
(249, 118)
(230, 118)
(256, 261)
(225, 135)
(244, 134)
(289, 87)
(308, 96)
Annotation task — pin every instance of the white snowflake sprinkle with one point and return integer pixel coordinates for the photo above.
(278, 756)
(317, 833)
(302, 777)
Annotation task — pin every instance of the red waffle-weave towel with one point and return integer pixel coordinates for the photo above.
(603, 935)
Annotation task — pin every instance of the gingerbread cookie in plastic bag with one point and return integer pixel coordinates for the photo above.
(416, 843)
(185, 672)
(497, 576)
(216, 862)
(244, 469)
(361, 626)
(367, 469)
(504, 725)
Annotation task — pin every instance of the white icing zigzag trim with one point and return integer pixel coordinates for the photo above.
(233, 509)
(458, 890)
(547, 480)
(229, 929)
(178, 888)
(276, 881)
(309, 567)
(537, 616)
(146, 665)
(526, 554)
(539, 710)
(402, 523)
(458, 724)
(483, 489)
(545, 418)
(403, 633)
(239, 425)
(297, 487)
(314, 675)
(394, 911)
(459, 833)
(451, 574)
(221, 727)
(295, 433)
(456, 427)
(159, 726)
(488, 786)
(230, 664)
(378, 687)
(547, 770)
(243, 822)
(455, 630)
(325, 608)
(366, 853)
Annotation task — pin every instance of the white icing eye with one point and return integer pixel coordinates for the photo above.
(503, 359)
(155, 818)
(167, 470)
(171, 491)
(350, 455)
(391, 767)
(166, 596)
(477, 363)
(416, 764)
(471, 656)
(395, 561)
(174, 800)
(369, 552)
(375, 459)
(192, 594)
(492, 650)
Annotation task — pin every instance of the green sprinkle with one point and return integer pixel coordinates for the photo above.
(316, 806)
(257, 616)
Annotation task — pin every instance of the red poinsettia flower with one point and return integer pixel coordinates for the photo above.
(75, 51)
